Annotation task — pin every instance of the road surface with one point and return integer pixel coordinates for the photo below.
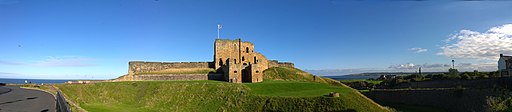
(16, 99)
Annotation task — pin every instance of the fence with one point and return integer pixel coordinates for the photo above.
(62, 105)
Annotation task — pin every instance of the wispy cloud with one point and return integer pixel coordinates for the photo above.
(410, 67)
(8, 73)
(418, 50)
(345, 71)
(67, 61)
(416, 66)
(479, 45)
(2, 62)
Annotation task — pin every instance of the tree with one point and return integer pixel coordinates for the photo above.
(465, 75)
(452, 71)
(414, 77)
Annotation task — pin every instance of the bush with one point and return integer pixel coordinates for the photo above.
(499, 104)
(466, 76)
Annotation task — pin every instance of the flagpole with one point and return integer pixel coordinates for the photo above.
(218, 31)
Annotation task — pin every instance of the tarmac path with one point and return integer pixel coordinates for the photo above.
(16, 99)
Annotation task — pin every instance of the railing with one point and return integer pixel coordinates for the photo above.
(62, 105)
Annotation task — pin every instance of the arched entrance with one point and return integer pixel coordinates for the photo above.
(246, 75)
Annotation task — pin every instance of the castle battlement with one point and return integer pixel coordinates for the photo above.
(234, 61)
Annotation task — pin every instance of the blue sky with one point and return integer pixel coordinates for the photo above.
(95, 39)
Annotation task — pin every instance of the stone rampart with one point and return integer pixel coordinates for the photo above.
(171, 77)
(177, 77)
(451, 95)
(453, 83)
(275, 63)
(135, 67)
(452, 100)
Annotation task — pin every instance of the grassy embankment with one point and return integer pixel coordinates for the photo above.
(284, 89)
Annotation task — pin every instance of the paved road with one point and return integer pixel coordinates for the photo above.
(15, 99)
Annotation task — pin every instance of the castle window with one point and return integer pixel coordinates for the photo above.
(235, 61)
(247, 49)
(245, 63)
(257, 71)
(255, 60)
(243, 59)
(235, 71)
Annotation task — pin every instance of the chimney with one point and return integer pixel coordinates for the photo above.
(501, 55)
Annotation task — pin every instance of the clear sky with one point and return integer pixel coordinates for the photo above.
(95, 39)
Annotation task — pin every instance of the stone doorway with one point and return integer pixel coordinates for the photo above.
(246, 76)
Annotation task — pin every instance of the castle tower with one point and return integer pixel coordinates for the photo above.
(238, 61)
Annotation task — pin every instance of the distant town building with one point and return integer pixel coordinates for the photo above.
(505, 65)
(386, 77)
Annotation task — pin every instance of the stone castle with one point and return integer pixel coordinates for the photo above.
(234, 61)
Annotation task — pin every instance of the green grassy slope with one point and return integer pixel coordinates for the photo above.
(294, 74)
(271, 95)
(294, 88)
(351, 97)
(156, 95)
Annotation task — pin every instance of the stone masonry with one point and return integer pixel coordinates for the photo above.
(234, 61)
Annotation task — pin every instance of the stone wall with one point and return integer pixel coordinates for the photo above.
(171, 77)
(452, 100)
(275, 63)
(453, 83)
(226, 51)
(135, 67)
(451, 95)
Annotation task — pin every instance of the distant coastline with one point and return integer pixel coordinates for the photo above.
(34, 81)
(374, 75)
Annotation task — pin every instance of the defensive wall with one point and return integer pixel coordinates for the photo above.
(275, 63)
(209, 76)
(451, 95)
(135, 67)
(452, 100)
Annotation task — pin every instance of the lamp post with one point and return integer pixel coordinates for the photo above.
(453, 64)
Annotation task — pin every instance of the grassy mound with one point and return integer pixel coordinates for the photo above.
(287, 73)
(270, 95)
(294, 74)
(294, 88)
(155, 95)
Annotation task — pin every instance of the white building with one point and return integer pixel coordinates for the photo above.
(505, 65)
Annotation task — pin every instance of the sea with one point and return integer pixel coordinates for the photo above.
(33, 81)
(351, 77)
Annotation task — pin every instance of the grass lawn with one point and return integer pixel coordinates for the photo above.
(284, 89)
(101, 107)
(294, 88)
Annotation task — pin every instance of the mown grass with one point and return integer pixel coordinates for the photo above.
(294, 88)
(153, 95)
(271, 95)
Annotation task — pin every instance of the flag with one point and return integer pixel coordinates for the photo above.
(219, 26)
